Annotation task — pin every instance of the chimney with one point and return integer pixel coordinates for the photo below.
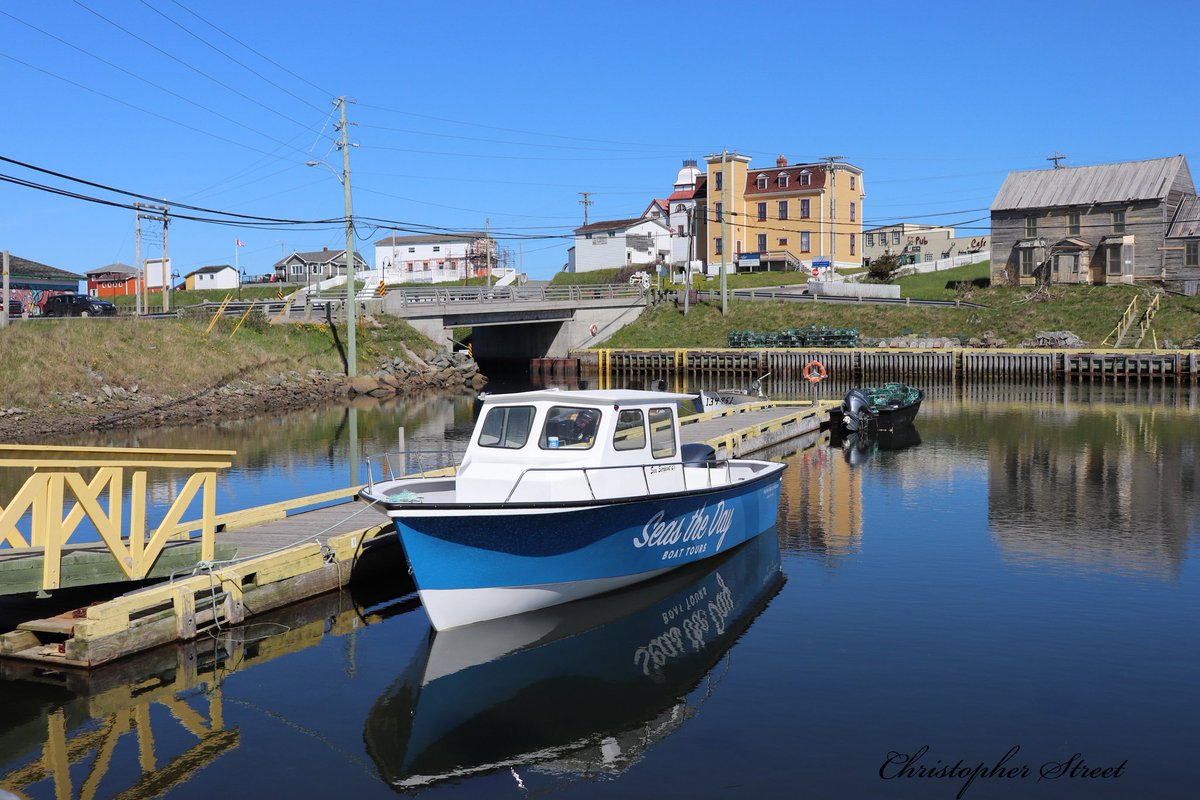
(324, 249)
(781, 161)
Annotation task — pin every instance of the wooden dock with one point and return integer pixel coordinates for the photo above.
(291, 551)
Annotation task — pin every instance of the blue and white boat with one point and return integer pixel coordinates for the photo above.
(568, 494)
(582, 690)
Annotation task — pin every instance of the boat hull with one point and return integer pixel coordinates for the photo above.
(475, 564)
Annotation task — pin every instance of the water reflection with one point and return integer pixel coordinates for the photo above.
(1112, 489)
(587, 688)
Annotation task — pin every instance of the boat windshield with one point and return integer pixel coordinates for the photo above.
(507, 427)
(570, 427)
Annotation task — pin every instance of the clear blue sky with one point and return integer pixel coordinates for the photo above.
(470, 110)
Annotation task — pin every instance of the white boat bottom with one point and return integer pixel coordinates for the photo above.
(453, 608)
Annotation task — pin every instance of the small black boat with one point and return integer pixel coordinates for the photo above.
(881, 408)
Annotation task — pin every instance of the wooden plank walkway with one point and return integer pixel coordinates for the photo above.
(286, 554)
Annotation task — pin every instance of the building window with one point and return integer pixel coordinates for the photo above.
(1191, 254)
(853, 241)
(717, 245)
(1113, 259)
(1026, 262)
(870, 240)
(1072, 223)
(1118, 220)
(717, 212)
(804, 242)
(783, 242)
(853, 212)
(929, 256)
(895, 237)
(718, 181)
(1031, 227)
(805, 208)
(762, 242)
(782, 180)
(680, 230)
(761, 183)
(762, 212)
(853, 182)
(437, 249)
(679, 208)
(783, 209)
(805, 178)
(412, 249)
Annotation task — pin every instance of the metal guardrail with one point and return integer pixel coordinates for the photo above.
(800, 297)
(517, 294)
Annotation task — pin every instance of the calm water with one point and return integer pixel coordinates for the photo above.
(1025, 576)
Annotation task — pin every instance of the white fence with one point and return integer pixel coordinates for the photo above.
(935, 266)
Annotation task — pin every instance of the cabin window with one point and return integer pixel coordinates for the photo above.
(1113, 258)
(1026, 262)
(507, 427)
(570, 427)
(1073, 223)
(1118, 221)
(1031, 227)
(1191, 254)
(662, 433)
(631, 431)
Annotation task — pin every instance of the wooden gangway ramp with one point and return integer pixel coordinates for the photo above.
(290, 551)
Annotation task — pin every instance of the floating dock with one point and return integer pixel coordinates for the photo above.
(286, 552)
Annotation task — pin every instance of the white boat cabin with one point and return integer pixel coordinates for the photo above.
(551, 445)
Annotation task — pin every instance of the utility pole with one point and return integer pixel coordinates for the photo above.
(5, 294)
(351, 300)
(725, 181)
(1056, 158)
(166, 265)
(585, 202)
(487, 243)
(137, 259)
(831, 169)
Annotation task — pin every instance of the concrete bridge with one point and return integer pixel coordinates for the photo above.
(517, 322)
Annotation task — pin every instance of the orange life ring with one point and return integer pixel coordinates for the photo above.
(814, 371)
(595, 329)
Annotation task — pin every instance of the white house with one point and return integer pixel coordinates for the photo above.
(316, 266)
(618, 242)
(684, 228)
(434, 258)
(216, 276)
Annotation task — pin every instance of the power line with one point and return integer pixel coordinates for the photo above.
(246, 67)
(197, 70)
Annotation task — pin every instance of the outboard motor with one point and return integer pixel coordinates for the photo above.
(697, 454)
(856, 410)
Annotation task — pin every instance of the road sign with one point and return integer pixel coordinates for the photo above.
(821, 262)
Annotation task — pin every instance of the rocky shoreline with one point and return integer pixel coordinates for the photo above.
(123, 407)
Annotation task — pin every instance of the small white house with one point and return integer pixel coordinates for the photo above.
(435, 258)
(217, 276)
(619, 242)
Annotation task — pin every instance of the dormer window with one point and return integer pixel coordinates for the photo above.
(782, 180)
(805, 178)
(761, 182)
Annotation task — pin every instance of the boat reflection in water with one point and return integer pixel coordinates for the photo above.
(859, 448)
(582, 688)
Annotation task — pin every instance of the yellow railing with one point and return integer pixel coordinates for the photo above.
(1126, 320)
(1147, 319)
(93, 481)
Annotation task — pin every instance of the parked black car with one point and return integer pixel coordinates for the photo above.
(77, 305)
(15, 309)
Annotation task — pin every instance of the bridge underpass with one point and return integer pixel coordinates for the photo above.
(519, 323)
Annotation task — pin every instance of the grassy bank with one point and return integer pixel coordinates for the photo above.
(175, 357)
(1088, 311)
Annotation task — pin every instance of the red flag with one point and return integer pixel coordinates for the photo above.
(240, 243)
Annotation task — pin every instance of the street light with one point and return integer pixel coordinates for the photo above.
(351, 327)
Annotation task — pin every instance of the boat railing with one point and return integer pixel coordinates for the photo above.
(414, 464)
(708, 465)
